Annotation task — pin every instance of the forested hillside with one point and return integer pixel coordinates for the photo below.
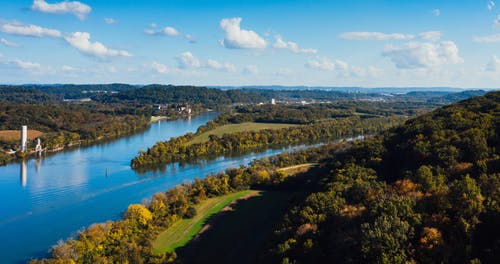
(168, 94)
(427, 191)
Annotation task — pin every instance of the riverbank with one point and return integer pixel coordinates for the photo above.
(181, 232)
(70, 189)
(182, 149)
(142, 222)
(12, 157)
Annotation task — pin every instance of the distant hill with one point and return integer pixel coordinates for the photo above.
(345, 89)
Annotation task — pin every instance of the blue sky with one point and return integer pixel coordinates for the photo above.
(316, 43)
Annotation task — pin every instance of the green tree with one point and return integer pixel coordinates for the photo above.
(386, 240)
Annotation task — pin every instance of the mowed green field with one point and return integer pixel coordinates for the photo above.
(180, 233)
(240, 234)
(233, 128)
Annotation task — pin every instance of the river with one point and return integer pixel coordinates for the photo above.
(49, 199)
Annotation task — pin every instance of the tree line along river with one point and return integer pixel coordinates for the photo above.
(49, 199)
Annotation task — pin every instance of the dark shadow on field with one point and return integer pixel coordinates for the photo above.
(240, 234)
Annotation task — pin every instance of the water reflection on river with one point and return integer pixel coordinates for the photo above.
(50, 198)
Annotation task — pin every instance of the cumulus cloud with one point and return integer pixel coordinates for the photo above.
(490, 5)
(76, 8)
(291, 46)
(375, 36)
(167, 31)
(436, 12)
(493, 65)
(109, 21)
(213, 64)
(488, 39)
(322, 63)
(187, 60)
(251, 70)
(422, 55)
(170, 31)
(160, 68)
(29, 30)
(342, 68)
(431, 35)
(237, 38)
(8, 43)
(81, 42)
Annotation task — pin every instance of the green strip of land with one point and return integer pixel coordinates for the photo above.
(233, 128)
(180, 233)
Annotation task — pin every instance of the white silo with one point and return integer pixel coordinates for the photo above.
(24, 139)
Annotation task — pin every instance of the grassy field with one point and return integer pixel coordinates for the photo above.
(297, 168)
(10, 135)
(184, 230)
(232, 128)
(240, 234)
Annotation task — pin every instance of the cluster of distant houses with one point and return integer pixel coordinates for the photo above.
(186, 109)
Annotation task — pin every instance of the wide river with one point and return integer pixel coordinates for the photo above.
(49, 199)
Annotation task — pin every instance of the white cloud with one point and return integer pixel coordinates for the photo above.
(322, 63)
(422, 55)
(488, 39)
(496, 22)
(213, 64)
(251, 69)
(170, 31)
(436, 12)
(190, 38)
(292, 46)
(8, 43)
(81, 41)
(109, 21)
(490, 5)
(237, 38)
(29, 30)
(188, 60)
(160, 68)
(342, 68)
(67, 68)
(150, 32)
(431, 35)
(167, 31)
(493, 65)
(27, 65)
(360, 72)
(375, 36)
(76, 8)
